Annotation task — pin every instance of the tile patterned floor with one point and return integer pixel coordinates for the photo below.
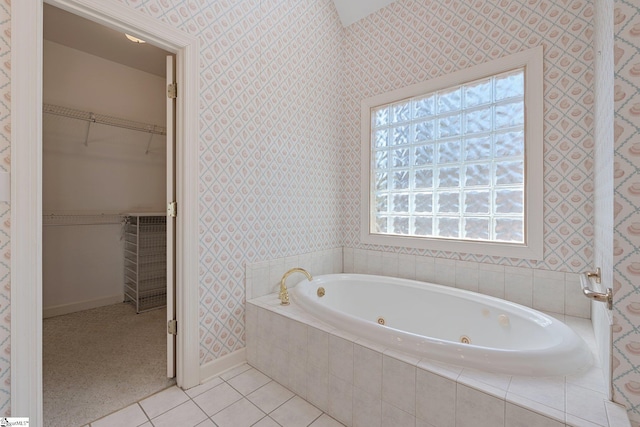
(242, 397)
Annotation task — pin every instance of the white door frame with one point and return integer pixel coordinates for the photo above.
(26, 188)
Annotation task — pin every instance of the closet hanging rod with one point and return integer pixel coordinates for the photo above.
(81, 219)
(88, 116)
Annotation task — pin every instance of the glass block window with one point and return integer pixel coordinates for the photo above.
(458, 159)
(450, 163)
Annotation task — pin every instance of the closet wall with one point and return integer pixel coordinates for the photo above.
(94, 173)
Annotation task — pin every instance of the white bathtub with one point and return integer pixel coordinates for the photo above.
(430, 321)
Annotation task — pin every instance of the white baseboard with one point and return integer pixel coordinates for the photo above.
(222, 364)
(59, 310)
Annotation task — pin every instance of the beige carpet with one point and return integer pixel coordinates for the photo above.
(101, 360)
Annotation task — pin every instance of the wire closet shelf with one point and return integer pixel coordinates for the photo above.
(72, 219)
(104, 119)
(145, 263)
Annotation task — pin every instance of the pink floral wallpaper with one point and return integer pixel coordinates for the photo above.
(412, 41)
(626, 268)
(281, 83)
(269, 169)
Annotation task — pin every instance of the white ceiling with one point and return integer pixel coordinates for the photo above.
(351, 11)
(82, 34)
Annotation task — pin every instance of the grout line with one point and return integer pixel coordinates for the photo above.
(144, 412)
(170, 409)
(283, 403)
(267, 415)
(316, 419)
(259, 409)
(198, 406)
(263, 386)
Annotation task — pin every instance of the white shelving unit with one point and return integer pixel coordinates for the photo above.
(145, 260)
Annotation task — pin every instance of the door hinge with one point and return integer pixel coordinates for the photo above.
(172, 209)
(172, 327)
(172, 90)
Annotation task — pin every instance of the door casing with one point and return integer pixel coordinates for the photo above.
(171, 222)
(26, 188)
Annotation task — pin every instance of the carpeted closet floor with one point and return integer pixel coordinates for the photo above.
(101, 360)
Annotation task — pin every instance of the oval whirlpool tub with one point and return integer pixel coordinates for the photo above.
(445, 324)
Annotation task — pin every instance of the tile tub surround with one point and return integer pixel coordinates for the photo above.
(544, 290)
(363, 384)
(262, 278)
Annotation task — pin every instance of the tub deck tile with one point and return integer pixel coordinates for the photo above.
(495, 380)
(591, 379)
(477, 409)
(586, 403)
(537, 407)
(516, 416)
(341, 399)
(344, 335)
(341, 358)
(318, 353)
(367, 372)
(553, 401)
(371, 345)
(367, 408)
(548, 391)
(399, 384)
(446, 370)
(393, 416)
(298, 381)
(482, 386)
(574, 421)
(404, 357)
(435, 399)
(617, 414)
(318, 386)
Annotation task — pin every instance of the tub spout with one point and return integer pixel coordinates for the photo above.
(284, 293)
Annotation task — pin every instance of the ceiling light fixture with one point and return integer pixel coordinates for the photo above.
(134, 39)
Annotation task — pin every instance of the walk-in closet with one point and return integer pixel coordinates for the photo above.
(104, 220)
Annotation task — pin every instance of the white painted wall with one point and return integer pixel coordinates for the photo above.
(112, 173)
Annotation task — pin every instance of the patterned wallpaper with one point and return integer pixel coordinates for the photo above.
(412, 41)
(626, 338)
(5, 214)
(269, 171)
(272, 74)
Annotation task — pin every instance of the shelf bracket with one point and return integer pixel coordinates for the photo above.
(149, 143)
(86, 136)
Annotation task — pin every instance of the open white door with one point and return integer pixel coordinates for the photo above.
(171, 219)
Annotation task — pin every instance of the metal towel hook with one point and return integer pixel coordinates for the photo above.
(596, 275)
